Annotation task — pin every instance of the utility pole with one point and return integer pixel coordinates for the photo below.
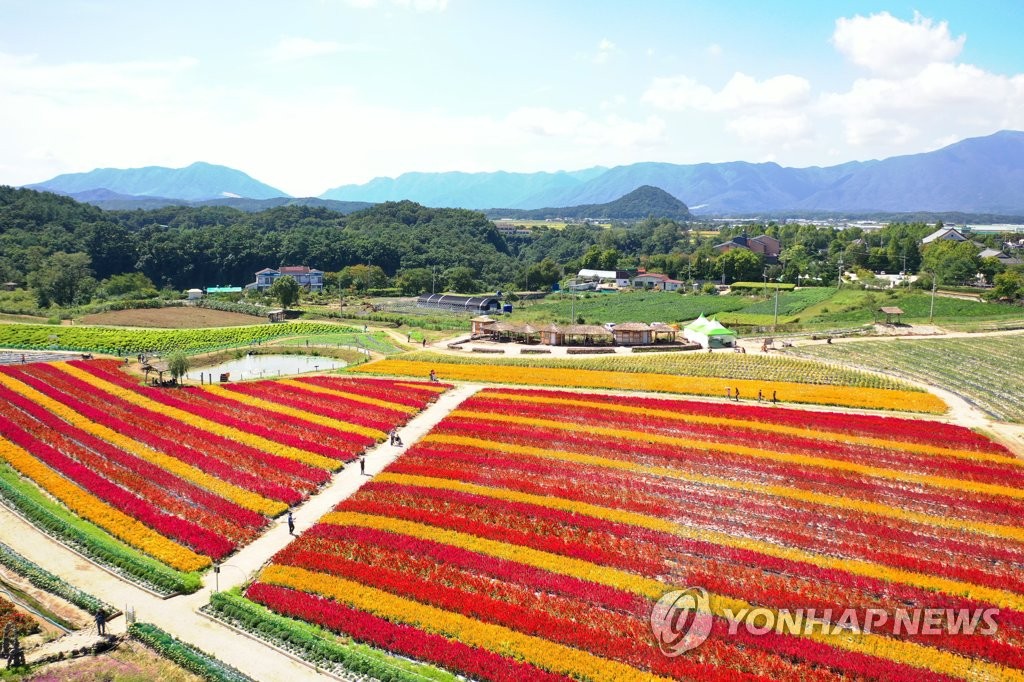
(931, 309)
(433, 279)
(839, 285)
(572, 305)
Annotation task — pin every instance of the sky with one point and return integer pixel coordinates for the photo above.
(307, 95)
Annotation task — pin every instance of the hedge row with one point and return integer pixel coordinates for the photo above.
(187, 656)
(58, 522)
(317, 645)
(48, 582)
(782, 286)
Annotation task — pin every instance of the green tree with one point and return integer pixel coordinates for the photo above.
(461, 280)
(414, 281)
(178, 364)
(740, 265)
(127, 285)
(542, 275)
(1009, 285)
(285, 289)
(362, 277)
(64, 279)
(952, 262)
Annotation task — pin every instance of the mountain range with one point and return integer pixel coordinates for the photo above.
(976, 175)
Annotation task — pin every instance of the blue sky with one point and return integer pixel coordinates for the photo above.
(308, 95)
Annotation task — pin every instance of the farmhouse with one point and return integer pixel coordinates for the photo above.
(632, 334)
(944, 233)
(620, 277)
(308, 278)
(762, 245)
(453, 302)
(650, 280)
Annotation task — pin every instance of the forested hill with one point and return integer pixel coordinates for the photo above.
(182, 247)
(640, 203)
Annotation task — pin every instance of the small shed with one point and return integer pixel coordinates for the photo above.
(890, 312)
(194, 294)
(453, 302)
(479, 324)
(663, 333)
(9, 286)
(632, 334)
(552, 335)
(275, 315)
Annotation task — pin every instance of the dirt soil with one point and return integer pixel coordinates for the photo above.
(172, 318)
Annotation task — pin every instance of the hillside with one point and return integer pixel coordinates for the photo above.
(640, 203)
(197, 182)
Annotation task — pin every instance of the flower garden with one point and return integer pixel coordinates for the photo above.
(185, 476)
(528, 535)
(789, 391)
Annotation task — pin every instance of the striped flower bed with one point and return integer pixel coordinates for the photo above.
(189, 475)
(530, 534)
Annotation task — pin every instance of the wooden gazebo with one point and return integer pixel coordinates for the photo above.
(632, 334)
(586, 335)
(890, 312)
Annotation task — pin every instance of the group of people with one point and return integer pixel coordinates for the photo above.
(734, 394)
(395, 439)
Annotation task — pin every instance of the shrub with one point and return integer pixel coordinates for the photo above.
(48, 582)
(187, 656)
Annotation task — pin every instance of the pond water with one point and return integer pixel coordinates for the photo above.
(267, 366)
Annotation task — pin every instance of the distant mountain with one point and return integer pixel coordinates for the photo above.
(466, 190)
(640, 203)
(197, 182)
(112, 201)
(977, 175)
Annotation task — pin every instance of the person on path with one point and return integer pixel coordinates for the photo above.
(433, 375)
(774, 398)
(760, 396)
(424, 343)
(101, 622)
(391, 437)
(736, 394)
(291, 524)
(728, 393)
(362, 466)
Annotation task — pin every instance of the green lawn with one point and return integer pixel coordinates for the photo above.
(985, 370)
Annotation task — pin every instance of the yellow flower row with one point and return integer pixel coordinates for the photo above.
(543, 653)
(908, 653)
(423, 387)
(818, 432)
(835, 501)
(96, 511)
(270, 406)
(354, 397)
(240, 496)
(870, 569)
(792, 392)
(252, 440)
(759, 453)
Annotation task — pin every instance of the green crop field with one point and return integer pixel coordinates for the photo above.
(985, 370)
(627, 306)
(724, 365)
(122, 341)
(374, 341)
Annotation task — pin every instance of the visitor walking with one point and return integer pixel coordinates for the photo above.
(362, 466)
(101, 622)
(433, 375)
(774, 398)
(736, 394)
(291, 524)
(728, 392)
(760, 397)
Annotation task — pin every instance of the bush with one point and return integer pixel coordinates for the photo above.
(184, 654)
(48, 582)
(317, 645)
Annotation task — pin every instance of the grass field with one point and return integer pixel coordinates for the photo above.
(379, 342)
(172, 318)
(985, 370)
(628, 306)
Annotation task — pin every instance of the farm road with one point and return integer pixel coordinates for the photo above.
(178, 615)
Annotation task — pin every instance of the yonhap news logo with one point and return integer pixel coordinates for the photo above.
(681, 620)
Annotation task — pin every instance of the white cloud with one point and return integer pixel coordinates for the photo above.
(580, 128)
(772, 129)
(887, 45)
(415, 5)
(679, 93)
(292, 48)
(606, 49)
(714, 50)
(23, 74)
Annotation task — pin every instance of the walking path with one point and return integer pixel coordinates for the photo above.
(178, 615)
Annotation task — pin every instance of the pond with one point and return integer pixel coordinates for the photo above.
(267, 366)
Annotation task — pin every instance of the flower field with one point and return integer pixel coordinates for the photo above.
(722, 365)
(975, 368)
(529, 535)
(787, 391)
(189, 475)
